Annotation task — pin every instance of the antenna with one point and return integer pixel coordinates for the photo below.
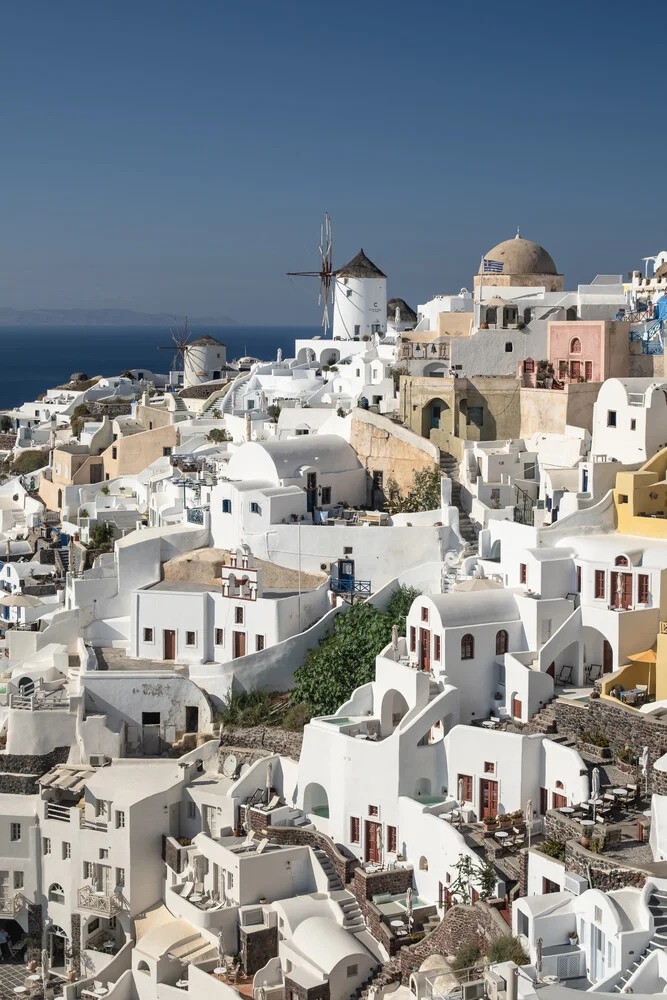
(180, 339)
(326, 274)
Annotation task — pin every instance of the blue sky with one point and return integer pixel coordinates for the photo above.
(179, 156)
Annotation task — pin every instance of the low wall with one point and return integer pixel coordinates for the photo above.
(293, 835)
(478, 924)
(263, 737)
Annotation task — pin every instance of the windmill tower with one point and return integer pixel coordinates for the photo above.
(326, 272)
(180, 342)
(360, 303)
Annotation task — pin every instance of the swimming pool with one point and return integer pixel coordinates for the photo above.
(338, 722)
(430, 800)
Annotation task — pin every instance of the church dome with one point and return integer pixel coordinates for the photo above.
(521, 256)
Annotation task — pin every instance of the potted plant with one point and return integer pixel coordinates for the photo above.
(573, 938)
(490, 824)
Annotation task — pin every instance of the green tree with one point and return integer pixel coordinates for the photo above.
(128, 374)
(5, 424)
(472, 874)
(507, 949)
(424, 494)
(79, 417)
(273, 412)
(217, 435)
(345, 657)
(101, 536)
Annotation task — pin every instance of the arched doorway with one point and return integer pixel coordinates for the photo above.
(394, 707)
(57, 945)
(316, 800)
(434, 416)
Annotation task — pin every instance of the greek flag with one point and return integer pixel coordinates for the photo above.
(492, 266)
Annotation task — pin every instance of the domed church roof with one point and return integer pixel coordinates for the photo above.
(360, 267)
(522, 257)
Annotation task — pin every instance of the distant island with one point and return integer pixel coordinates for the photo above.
(102, 317)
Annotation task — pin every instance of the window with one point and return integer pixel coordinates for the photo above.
(326, 496)
(56, 894)
(597, 917)
(355, 828)
(238, 616)
(413, 638)
(620, 561)
(120, 877)
(622, 497)
(578, 579)
(467, 647)
(259, 642)
(599, 584)
(373, 811)
(120, 819)
(18, 880)
(93, 925)
(495, 495)
(165, 452)
(527, 315)
(529, 470)
(352, 970)
(226, 506)
(475, 416)
(192, 810)
(522, 573)
(67, 850)
(467, 786)
(392, 839)
(46, 845)
(148, 635)
(642, 588)
(633, 424)
(611, 418)
(436, 647)
(88, 869)
(219, 637)
(255, 508)
(378, 480)
(230, 880)
(14, 831)
(489, 767)
(588, 371)
(501, 642)
(548, 885)
(190, 638)
(508, 347)
(114, 452)
(103, 853)
(424, 613)
(575, 346)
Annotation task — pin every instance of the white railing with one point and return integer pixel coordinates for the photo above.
(108, 904)
(55, 811)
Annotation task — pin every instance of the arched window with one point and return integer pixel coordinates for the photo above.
(575, 346)
(144, 967)
(423, 864)
(468, 647)
(56, 893)
(501, 642)
(559, 784)
(621, 561)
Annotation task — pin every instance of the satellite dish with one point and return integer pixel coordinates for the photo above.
(229, 765)
(244, 768)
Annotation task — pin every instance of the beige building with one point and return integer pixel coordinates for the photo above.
(524, 263)
(389, 451)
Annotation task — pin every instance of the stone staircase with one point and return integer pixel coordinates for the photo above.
(390, 972)
(333, 878)
(449, 467)
(658, 906)
(353, 918)
(544, 721)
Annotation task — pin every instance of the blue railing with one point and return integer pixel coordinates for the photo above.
(196, 515)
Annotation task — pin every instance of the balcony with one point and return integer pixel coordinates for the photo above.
(107, 904)
(11, 906)
(55, 811)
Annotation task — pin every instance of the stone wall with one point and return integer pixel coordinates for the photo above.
(604, 872)
(294, 835)
(294, 989)
(19, 773)
(268, 738)
(75, 941)
(365, 885)
(386, 447)
(478, 924)
(257, 947)
(110, 410)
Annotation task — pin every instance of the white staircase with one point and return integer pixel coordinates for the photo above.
(657, 904)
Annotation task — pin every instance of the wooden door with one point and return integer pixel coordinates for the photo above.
(607, 658)
(169, 635)
(575, 370)
(372, 853)
(621, 590)
(551, 669)
(517, 708)
(425, 649)
(239, 644)
(559, 801)
(488, 798)
(544, 801)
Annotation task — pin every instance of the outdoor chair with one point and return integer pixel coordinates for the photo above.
(565, 674)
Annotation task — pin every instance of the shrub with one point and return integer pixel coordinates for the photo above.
(553, 849)
(101, 536)
(340, 412)
(5, 424)
(78, 418)
(594, 739)
(627, 756)
(273, 412)
(508, 949)
(246, 708)
(467, 956)
(29, 461)
(217, 435)
(424, 494)
(345, 657)
(297, 717)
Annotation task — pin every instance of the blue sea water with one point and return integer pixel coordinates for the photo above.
(37, 359)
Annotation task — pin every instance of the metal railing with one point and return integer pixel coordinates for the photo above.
(55, 811)
(92, 824)
(355, 587)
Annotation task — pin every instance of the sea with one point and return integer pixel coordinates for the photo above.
(33, 360)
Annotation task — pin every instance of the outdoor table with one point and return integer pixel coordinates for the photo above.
(501, 835)
(587, 822)
(360, 736)
(396, 923)
(595, 802)
(182, 984)
(621, 792)
(220, 971)
(568, 810)
(101, 991)
(489, 724)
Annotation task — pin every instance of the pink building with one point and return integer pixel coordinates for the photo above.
(589, 350)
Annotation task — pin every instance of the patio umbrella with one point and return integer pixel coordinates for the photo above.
(460, 793)
(408, 907)
(595, 787)
(529, 817)
(379, 841)
(394, 637)
(648, 657)
(45, 966)
(269, 779)
(645, 763)
(538, 956)
(20, 601)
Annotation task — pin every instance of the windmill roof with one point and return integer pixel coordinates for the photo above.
(205, 341)
(360, 267)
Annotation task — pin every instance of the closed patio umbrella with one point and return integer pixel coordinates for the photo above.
(528, 815)
(645, 763)
(538, 956)
(595, 787)
(408, 907)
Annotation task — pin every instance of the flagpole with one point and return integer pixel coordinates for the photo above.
(481, 286)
